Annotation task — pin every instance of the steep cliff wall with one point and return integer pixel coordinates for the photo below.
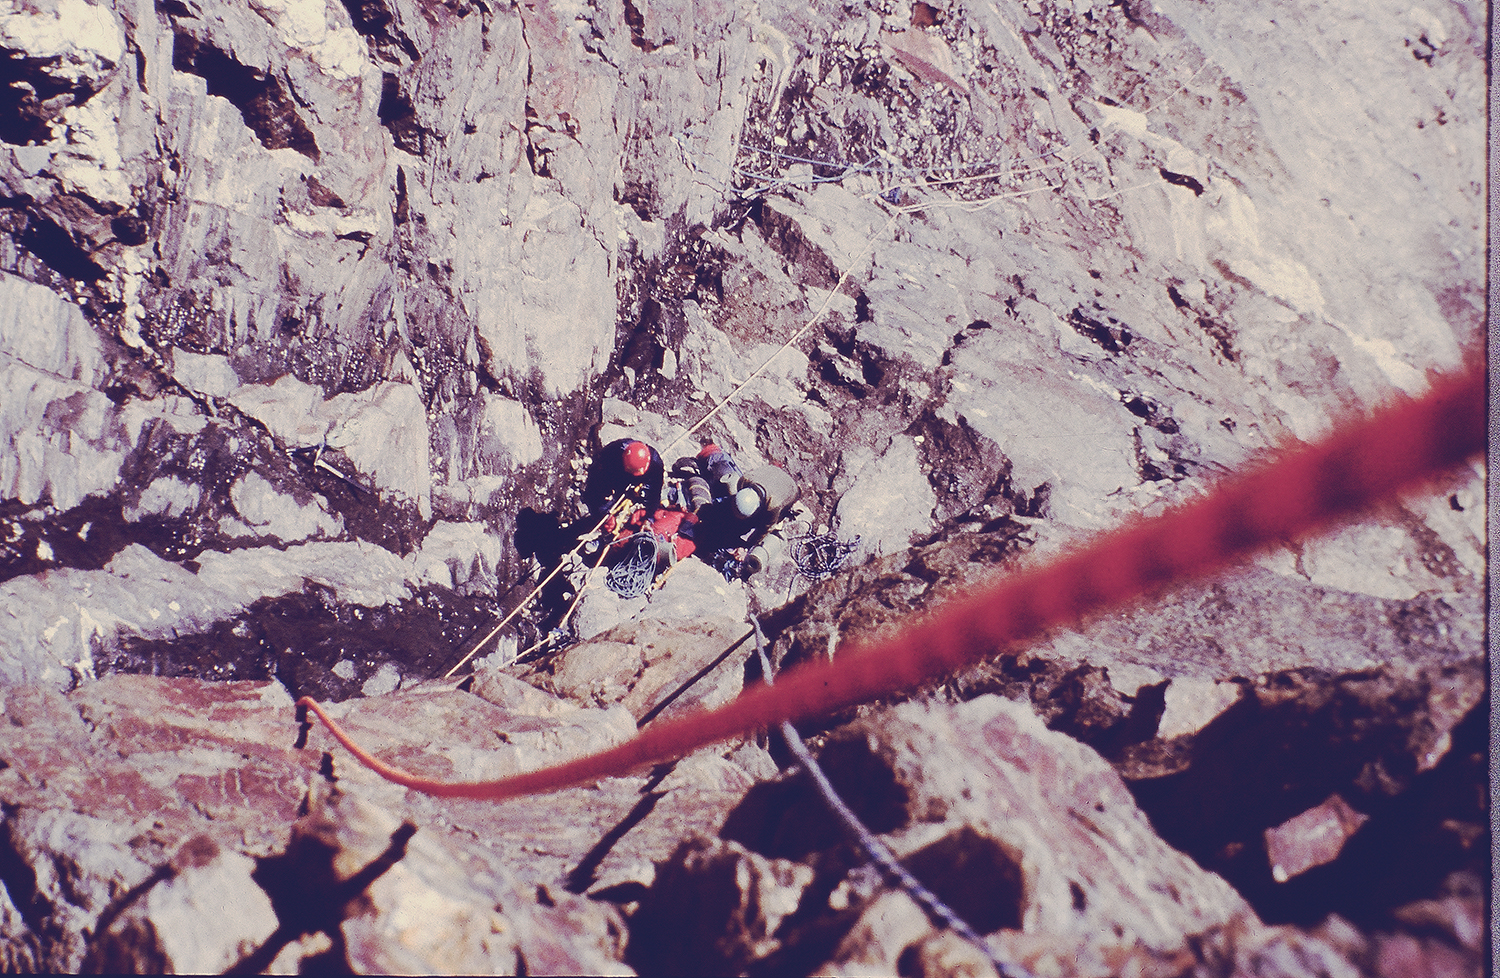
(1091, 257)
(302, 303)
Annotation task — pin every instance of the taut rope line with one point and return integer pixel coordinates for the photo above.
(817, 316)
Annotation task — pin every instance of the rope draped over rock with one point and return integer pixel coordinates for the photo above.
(1304, 490)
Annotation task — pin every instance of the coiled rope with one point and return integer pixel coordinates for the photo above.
(632, 573)
(821, 555)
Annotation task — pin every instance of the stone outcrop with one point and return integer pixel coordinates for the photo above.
(1015, 827)
(137, 808)
(304, 304)
(132, 806)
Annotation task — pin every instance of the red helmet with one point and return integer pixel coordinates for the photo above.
(637, 458)
(708, 450)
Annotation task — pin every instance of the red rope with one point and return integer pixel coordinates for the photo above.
(1305, 490)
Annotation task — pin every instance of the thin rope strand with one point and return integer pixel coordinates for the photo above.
(875, 850)
(561, 562)
(827, 301)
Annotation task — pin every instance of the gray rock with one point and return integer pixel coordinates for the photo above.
(1031, 793)
(515, 741)
(509, 430)
(890, 500)
(739, 900)
(101, 786)
(78, 865)
(166, 497)
(653, 667)
(468, 552)
(1311, 838)
(425, 912)
(1033, 839)
(1191, 704)
(205, 373)
(385, 680)
(48, 334)
(508, 692)
(203, 916)
(266, 511)
(1152, 245)
(600, 609)
(695, 592)
(63, 438)
(382, 431)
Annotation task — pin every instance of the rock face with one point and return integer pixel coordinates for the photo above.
(138, 808)
(206, 915)
(301, 272)
(1032, 832)
(303, 304)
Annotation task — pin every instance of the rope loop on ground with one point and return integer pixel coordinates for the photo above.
(633, 571)
(821, 555)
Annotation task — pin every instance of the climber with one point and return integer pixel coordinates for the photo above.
(626, 465)
(645, 546)
(704, 478)
(732, 532)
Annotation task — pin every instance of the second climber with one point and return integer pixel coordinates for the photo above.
(733, 531)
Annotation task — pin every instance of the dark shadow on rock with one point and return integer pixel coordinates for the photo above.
(977, 877)
(301, 639)
(308, 897)
(1306, 735)
(786, 818)
(1078, 700)
(541, 535)
(582, 876)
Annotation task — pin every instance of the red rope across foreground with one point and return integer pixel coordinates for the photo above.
(1303, 491)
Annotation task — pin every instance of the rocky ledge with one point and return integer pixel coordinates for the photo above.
(1328, 824)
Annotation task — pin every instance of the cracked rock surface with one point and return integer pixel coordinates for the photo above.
(305, 307)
